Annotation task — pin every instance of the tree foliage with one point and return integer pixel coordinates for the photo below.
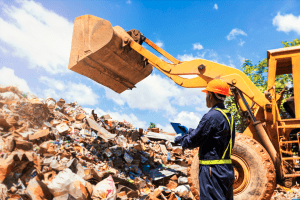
(152, 125)
(258, 74)
(295, 42)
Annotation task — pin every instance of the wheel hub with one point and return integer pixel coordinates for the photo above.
(241, 174)
(236, 174)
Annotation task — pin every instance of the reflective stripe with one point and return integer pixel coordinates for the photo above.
(231, 129)
(215, 162)
(222, 161)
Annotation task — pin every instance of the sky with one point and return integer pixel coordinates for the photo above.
(35, 44)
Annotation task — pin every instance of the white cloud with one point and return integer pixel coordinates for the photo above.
(242, 59)
(210, 53)
(145, 45)
(5, 51)
(128, 2)
(234, 32)
(153, 93)
(189, 97)
(117, 98)
(188, 57)
(131, 118)
(202, 109)
(8, 78)
(197, 46)
(164, 59)
(216, 6)
(188, 119)
(69, 91)
(287, 23)
(38, 35)
(231, 64)
(241, 43)
(158, 94)
(166, 128)
(159, 43)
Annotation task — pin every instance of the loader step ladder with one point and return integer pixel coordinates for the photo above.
(285, 148)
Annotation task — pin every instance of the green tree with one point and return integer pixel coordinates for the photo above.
(258, 74)
(295, 42)
(152, 125)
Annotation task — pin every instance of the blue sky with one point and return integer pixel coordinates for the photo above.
(35, 42)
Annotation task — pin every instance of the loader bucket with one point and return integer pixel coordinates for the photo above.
(98, 52)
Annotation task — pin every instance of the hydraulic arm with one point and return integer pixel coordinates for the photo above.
(206, 71)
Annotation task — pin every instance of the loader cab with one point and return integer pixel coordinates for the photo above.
(286, 61)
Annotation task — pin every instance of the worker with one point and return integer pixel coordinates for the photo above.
(214, 136)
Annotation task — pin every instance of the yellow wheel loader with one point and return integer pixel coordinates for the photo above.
(262, 153)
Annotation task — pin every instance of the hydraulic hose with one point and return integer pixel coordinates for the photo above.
(264, 138)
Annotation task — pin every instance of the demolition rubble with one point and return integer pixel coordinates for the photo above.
(55, 150)
(283, 193)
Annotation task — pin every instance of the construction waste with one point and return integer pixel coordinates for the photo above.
(283, 193)
(55, 150)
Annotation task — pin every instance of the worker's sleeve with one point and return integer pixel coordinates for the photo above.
(196, 137)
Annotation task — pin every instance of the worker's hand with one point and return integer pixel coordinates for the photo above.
(178, 138)
(184, 129)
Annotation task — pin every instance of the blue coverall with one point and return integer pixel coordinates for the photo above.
(212, 136)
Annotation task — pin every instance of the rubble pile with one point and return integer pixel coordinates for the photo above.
(282, 193)
(55, 150)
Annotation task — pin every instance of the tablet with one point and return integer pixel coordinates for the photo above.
(177, 129)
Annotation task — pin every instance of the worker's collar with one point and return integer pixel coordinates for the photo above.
(218, 105)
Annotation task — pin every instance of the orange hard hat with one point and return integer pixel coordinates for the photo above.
(218, 86)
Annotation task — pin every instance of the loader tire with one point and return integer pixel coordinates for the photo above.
(255, 176)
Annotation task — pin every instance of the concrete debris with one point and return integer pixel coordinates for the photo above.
(283, 193)
(161, 136)
(183, 191)
(55, 150)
